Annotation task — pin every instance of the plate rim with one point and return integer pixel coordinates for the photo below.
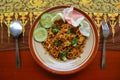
(71, 71)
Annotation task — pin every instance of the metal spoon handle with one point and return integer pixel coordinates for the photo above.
(17, 54)
(104, 54)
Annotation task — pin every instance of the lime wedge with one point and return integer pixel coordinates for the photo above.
(40, 34)
(85, 28)
(45, 20)
(58, 16)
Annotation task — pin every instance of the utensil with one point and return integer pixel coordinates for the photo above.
(106, 32)
(16, 30)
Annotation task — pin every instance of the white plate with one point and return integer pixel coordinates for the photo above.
(71, 66)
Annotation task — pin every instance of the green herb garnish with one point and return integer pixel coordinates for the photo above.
(62, 55)
(74, 41)
(58, 42)
(55, 29)
(70, 31)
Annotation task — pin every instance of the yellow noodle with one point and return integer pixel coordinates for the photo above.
(66, 38)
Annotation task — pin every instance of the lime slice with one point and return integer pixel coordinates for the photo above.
(58, 16)
(40, 34)
(85, 28)
(45, 20)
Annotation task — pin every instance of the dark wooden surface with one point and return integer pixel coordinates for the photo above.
(31, 71)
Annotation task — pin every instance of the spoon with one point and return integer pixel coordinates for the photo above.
(16, 30)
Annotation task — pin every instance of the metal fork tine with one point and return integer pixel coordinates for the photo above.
(105, 27)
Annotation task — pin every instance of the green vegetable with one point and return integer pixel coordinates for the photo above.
(70, 31)
(58, 42)
(58, 16)
(40, 34)
(55, 29)
(46, 20)
(62, 55)
(74, 41)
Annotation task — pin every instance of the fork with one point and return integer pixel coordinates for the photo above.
(106, 33)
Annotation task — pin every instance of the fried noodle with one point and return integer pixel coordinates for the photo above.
(66, 40)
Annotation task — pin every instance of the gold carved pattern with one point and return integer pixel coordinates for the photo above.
(29, 10)
(23, 20)
(30, 17)
(1, 21)
(106, 6)
(119, 20)
(117, 4)
(113, 23)
(98, 20)
(38, 3)
(7, 21)
(105, 17)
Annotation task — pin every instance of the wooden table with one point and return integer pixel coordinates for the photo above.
(30, 70)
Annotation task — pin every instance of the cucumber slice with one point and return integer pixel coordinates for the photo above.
(57, 17)
(40, 34)
(45, 20)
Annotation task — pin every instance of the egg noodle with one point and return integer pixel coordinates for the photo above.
(63, 37)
